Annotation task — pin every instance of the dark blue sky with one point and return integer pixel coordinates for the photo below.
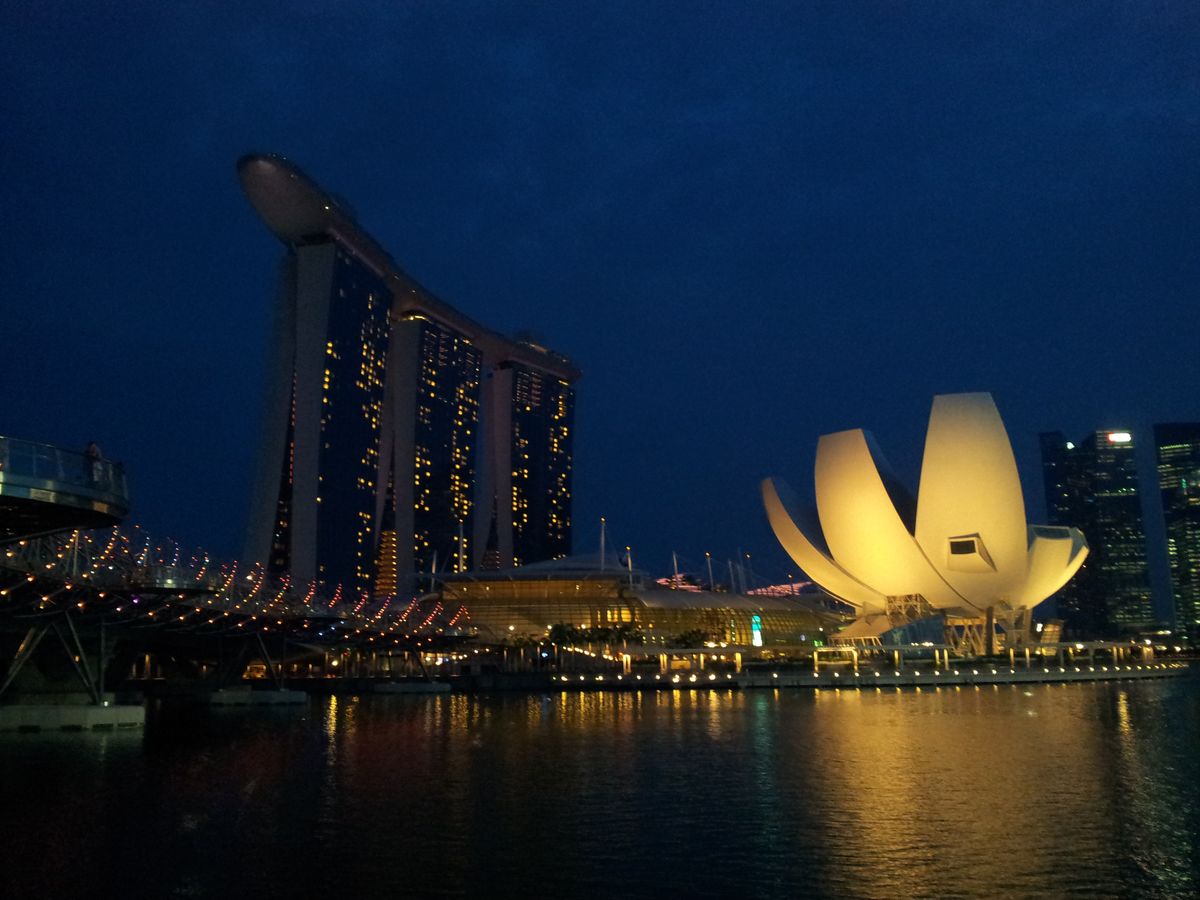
(749, 223)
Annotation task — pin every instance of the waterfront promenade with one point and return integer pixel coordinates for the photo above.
(963, 674)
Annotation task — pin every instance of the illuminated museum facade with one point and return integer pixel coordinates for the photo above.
(527, 602)
(960, 546)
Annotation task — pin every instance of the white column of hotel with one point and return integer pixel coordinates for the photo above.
(314, 278)
(499, 458)
(387, 431)
(264, 504)
(485, 461)
(402, 373)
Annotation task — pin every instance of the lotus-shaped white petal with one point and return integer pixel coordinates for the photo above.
(963, 545)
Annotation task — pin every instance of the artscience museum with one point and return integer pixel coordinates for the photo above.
(960, 546)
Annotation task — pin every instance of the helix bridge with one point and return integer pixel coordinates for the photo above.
(109, 595)
(124, 578)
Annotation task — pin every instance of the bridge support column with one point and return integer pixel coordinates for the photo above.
(63, 627)
(33, 637)
(277, 677)
(78, 657)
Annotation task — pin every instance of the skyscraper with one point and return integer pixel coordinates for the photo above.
(386, 438)
(1178, 446)
(328, 387)
(437, 383)
(539, 439)
(1093, 486)
(544, 410)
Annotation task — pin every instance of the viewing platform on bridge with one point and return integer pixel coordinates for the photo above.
(44, 489)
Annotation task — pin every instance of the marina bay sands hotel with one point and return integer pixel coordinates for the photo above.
(401, 436)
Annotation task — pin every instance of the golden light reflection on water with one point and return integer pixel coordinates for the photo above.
(985, 772)
(331, 716)
(1031, 790)
(1123, 720)
(1157, 847)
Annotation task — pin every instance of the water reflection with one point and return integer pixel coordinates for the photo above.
(1160, 830)
(1086, 789)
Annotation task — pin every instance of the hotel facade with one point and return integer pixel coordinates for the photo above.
(400, 434)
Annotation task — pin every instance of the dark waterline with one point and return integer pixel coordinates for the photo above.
(1088, 790)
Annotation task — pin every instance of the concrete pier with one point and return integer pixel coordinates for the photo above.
(70, 717)
(959, 673)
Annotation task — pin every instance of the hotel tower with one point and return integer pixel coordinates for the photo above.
(401, 436)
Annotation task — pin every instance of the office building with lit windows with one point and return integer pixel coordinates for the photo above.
(1093, 486)
(399, 432)
(1178, 451)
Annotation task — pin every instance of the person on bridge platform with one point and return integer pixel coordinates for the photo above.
(93, 459)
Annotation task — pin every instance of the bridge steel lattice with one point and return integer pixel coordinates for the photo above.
(109, 596)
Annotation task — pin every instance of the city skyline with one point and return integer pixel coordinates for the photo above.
(838, 218)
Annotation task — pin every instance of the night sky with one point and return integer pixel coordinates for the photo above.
(749, 223)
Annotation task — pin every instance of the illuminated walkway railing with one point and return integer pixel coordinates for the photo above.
(123, 575)
(45, 488)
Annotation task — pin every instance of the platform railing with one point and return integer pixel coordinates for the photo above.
(30, 461)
